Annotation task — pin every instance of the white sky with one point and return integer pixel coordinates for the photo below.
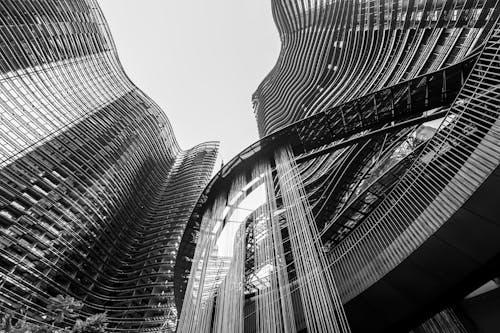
(200, 60)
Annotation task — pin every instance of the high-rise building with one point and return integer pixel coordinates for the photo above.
(367, 204)
(334, 52)
(94, 189)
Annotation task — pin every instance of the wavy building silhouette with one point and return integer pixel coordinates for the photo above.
(95, 192)
(368, 204)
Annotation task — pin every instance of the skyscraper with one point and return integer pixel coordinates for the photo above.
(369, 204)
(94, 189)
(365, 203)
(334, 52)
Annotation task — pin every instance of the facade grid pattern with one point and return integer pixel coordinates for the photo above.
(94, 189)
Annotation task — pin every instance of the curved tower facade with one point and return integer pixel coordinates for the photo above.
(336, 51)
(94, 189)
(367, 205)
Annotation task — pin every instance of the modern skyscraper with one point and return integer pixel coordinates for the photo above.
(336, 51)
(94, 189)
(366, 197)
(369, 204)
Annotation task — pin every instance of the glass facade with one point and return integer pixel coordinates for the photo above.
(348, 62)
(386, 112)
(95, 192)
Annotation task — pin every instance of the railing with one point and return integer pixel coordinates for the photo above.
(456, 161)
(404, 103)
(400, 102)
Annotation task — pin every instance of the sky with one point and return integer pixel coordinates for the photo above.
(200, 61)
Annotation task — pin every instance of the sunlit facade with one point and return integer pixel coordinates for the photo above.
(95, 192)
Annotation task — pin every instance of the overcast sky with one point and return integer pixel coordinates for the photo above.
(200, 60)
